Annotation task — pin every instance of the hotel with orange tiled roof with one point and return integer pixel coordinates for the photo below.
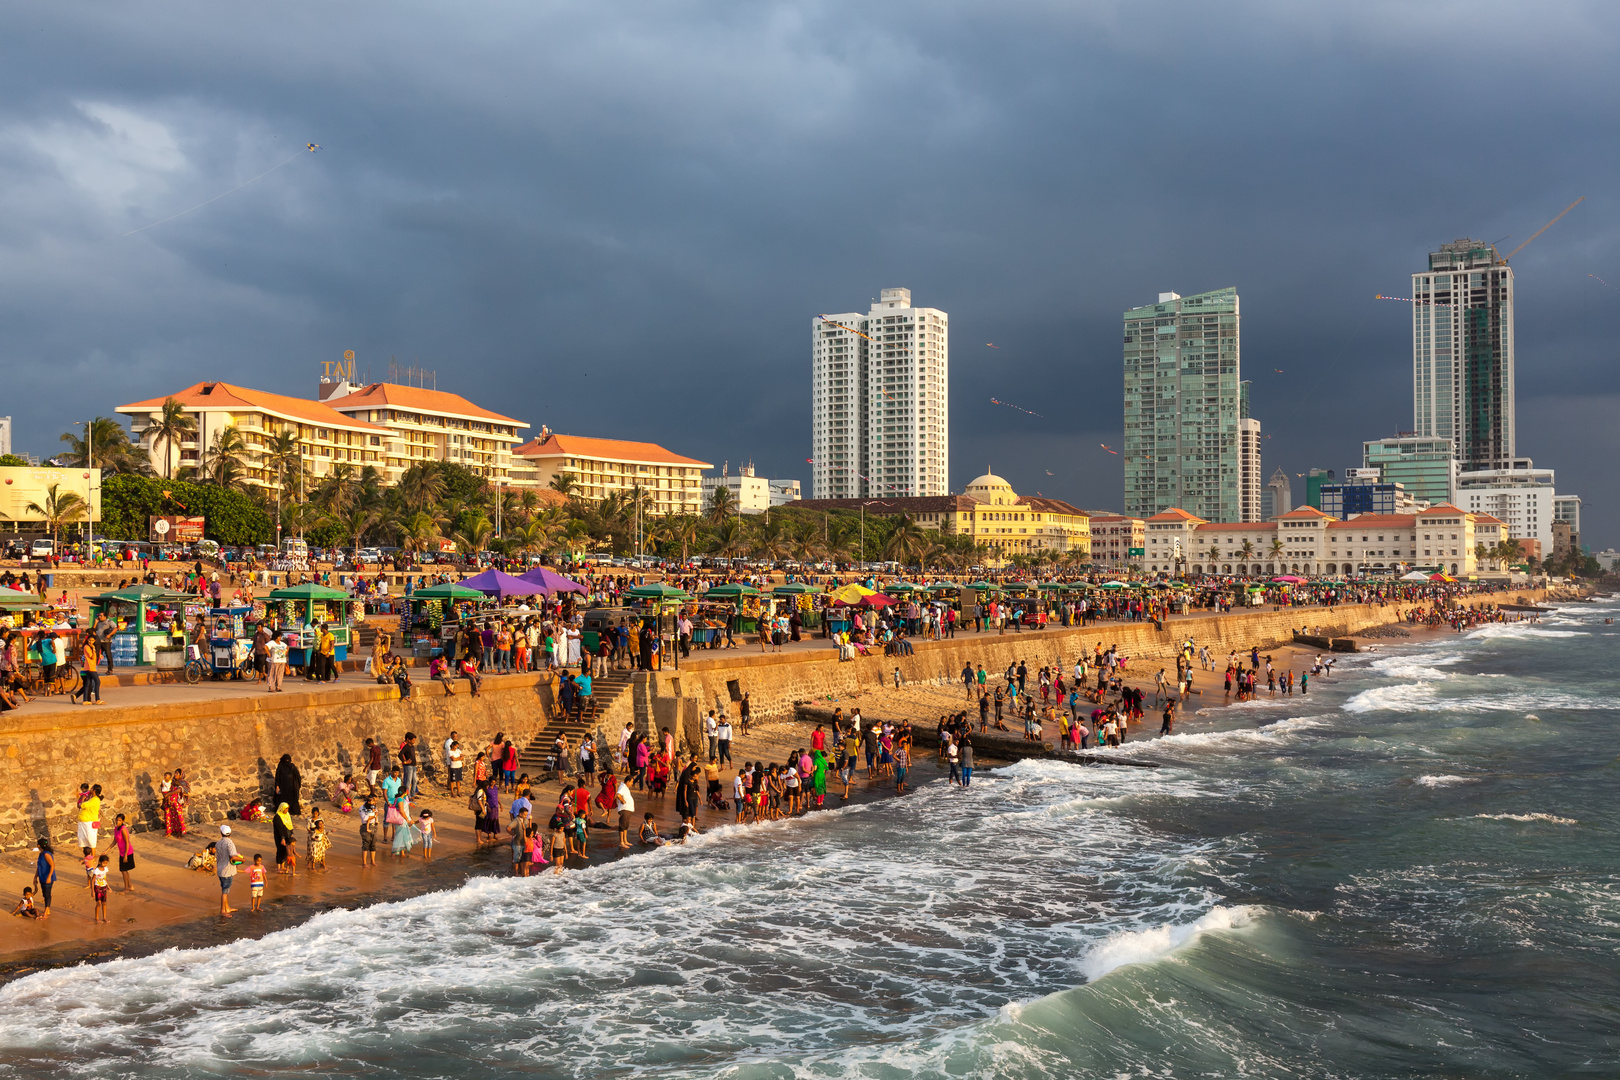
(1310, 543)
(603, 467)
(432, 425)
(327, 437)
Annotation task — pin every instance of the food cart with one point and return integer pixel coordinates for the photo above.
(802, 597)
(302, 610)
(230, 646)
(440, 610)
(656, 598)
(147, 617)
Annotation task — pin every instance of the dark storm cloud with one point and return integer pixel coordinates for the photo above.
(619, 219)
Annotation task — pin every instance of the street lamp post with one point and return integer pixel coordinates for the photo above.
(89, 467)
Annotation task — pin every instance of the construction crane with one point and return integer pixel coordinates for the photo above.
(1502, 260)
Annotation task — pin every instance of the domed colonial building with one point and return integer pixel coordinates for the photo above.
(990, 512)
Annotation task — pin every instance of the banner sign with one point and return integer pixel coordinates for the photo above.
(169, 529)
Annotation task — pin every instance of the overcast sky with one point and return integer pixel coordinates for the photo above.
(619, 219)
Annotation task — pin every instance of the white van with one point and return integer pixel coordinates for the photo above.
(293, 547)
(42, 549)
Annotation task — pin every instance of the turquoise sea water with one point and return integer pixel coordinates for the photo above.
(1413, 871)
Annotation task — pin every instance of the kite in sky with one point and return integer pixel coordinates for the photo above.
(1110, 449)
(1278, 370)
(1409, 300)
(841, 326)
(1010, 405)
(307, 148)
(988, 345)
(1600, 281)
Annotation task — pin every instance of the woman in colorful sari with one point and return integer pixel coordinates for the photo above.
(818, 782)
(658, 773)
(491, 822)
(174, 806)
(609, 794)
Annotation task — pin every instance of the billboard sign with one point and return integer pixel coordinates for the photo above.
(170, 529)
(24, 486)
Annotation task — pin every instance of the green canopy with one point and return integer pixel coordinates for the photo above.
(136, 594)
(19, 600)
(311, 591)
(450, 590)
(792, 588)
(942, 585)
(1113, 585)
(1053, 586)
(901, 587)
(730, 591)
(658, 591)
(982, 586)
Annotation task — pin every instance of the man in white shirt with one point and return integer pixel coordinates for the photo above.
(626, 805)
(711, 729)
(722, 733)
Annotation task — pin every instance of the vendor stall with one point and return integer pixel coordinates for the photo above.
(302, 609)
(147, 618)
(656, 598)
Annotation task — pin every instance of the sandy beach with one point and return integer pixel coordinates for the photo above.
(172, 906)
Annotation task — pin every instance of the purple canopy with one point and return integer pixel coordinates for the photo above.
(494, 583)
(551, 582)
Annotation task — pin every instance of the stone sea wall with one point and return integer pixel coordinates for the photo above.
(229, 746)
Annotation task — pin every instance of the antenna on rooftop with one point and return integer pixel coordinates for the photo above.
(411, 375)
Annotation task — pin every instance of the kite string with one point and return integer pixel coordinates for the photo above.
(1020, 408)
(221, 195)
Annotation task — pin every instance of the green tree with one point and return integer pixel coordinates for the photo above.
(171, 427)
(59, 508)
(225, 463)
(722, 504)
(108, 449)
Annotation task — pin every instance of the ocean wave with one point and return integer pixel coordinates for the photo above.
(1425, 697)
(1551, 819)
(1154, 942)
(1294, 725)
(1519, 630)
(1414, 666)
(1446, 780)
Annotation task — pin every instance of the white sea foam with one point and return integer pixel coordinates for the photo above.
(1425, 697)
(1268, 733)
(1551, 819)
(1149, 944)
(1414, 666)
(1519, 630)
(679, 963)
(1446, 780)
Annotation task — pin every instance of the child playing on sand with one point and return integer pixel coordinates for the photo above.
(319, 843)
(649, 831)
(98, 887)
(25, 906)
(256, 877)
(343, 797)
(424, 825)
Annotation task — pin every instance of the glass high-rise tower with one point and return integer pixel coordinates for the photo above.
(1182, 406)
(1462, 354)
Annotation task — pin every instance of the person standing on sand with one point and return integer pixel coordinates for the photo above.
(686, 794)
(226, 861)
(723, 741)
(967, 680)
(625, 803)
(289, 783)
(123, 842)
(45, 875)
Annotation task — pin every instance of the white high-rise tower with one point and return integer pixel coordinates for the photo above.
(880, 401)
(1462, 354)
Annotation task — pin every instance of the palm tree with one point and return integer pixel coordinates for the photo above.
(336, 494)
(421, 486)
(1247, 550)
(526, 539)
(905, 542)
(108, 449)
(1214, 558)
(564, 483)
(418, 532)
(225, 463)
(59, 508)
(722, 504)
(731, 538)
(171, 427)
(1276, 550)
(775, 542)
(475, 535)
(355, 524)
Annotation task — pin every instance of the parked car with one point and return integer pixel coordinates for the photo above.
(42, 549)
(369, 555)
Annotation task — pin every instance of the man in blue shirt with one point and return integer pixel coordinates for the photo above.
(582, 687)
